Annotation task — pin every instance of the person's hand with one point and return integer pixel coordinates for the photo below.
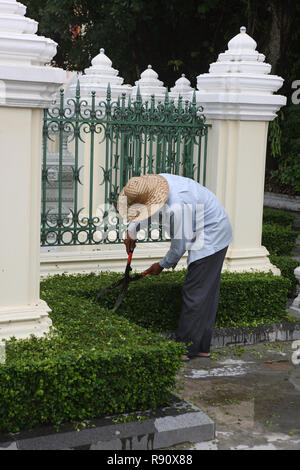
(129, 243)
(155, 269)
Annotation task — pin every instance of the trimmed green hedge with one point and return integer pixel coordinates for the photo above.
(278, 239)
(287, 267)
(97, 363)
(252, 299)
(155, 302)
(277, 216)
(278, 235)
(84, 385)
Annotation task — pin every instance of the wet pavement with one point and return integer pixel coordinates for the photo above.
(252, 393)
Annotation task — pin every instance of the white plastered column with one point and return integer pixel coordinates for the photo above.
(238, 101)
(27, 87)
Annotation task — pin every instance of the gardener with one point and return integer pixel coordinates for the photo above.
(196, 222)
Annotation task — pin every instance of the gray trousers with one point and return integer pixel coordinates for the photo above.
(200, 298)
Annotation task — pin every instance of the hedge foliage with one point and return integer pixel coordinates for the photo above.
(278, 235)
(277, 216)
(287, 267)
(278, 239)
(155, 302)
(86, 384)
(95, 364)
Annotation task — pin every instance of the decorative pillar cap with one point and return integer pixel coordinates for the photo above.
(238, 85)
(99, 76)
(242, 42)
(241, 56)
(182, 88)
(25, 80)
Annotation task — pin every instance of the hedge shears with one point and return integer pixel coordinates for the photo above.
(124, 282)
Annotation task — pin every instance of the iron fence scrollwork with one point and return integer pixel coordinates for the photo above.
(92, 148)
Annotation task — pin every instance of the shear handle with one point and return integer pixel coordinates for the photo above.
(130, 257)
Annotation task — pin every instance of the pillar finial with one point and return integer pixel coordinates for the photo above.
(98, 76)
(182, 88)
(240, 76)
(149, 84)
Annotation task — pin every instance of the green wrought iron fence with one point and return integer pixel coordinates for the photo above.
(91, 149)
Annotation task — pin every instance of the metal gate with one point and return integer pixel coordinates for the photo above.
(90, 150)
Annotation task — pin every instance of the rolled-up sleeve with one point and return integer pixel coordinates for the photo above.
(175, 253)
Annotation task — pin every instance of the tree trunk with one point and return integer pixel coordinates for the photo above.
(278, 19)
(252, 16)
(282, 14)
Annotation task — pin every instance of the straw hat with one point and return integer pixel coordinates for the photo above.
(142, 197)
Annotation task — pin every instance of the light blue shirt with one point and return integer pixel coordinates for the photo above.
(194, 219)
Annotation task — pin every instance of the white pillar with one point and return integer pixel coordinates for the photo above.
(27, 86)
(237, 97)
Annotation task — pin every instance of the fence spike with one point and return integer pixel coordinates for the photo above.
(180, 103)
(123, 100)
(138, 95)
(166, 97)
(108, 92)
(62, 102)
(152, 102)
(194, 102)
(78, 87)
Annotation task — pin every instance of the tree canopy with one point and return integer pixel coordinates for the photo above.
(175, 36)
